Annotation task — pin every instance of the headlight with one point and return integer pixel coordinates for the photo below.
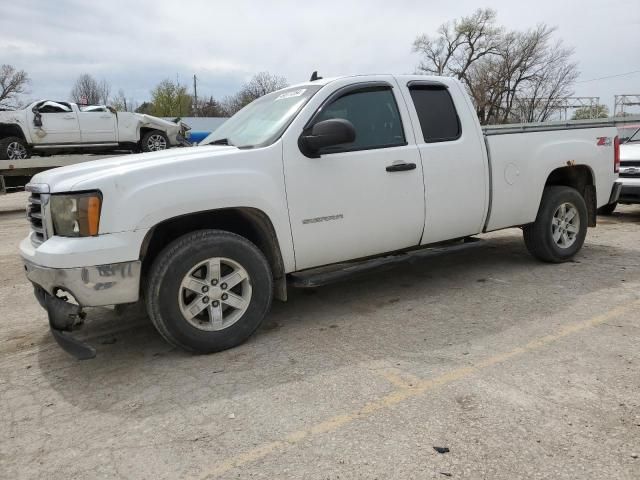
(76, 215)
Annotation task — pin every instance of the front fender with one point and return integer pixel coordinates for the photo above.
(137, 199)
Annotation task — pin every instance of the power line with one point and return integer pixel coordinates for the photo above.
(609, 76)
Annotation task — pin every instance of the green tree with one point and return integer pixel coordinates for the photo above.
(585, 113)
(170, 99)
(145, 108)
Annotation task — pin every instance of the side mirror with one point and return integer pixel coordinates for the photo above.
(327, 133)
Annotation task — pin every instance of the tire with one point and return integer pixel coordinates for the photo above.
(544, 238)
(607, 209)
(154, 141)
(167, 297)
(14, 148)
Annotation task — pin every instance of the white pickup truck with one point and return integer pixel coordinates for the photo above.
(325, 172)
(47, 127)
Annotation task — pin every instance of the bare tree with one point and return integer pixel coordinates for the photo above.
(86, 90)
(510, 75)
(13, 83)
(104, 90)
(459, 44)
(263, 83)
(119, 102)
(259, 85)
(550, 85)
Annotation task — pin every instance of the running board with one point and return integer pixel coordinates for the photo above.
(73, 145)
(321, 276)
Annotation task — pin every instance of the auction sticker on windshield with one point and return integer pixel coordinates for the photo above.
(294, 93)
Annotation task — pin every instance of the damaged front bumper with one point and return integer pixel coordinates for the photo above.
(93, 286)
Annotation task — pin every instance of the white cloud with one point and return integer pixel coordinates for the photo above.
(136, 44)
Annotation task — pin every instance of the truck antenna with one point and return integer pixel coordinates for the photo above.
(314, 76)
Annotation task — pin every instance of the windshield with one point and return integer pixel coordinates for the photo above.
(629, 133)
(262, 121)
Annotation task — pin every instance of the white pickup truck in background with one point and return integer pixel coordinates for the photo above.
(325, 172)
(629, 168)
(47, 127)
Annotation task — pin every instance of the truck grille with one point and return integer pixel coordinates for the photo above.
(36, 214)
(629, 171)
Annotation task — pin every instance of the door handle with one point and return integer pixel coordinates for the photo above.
(401, 167)
(105, 116)
(69, 117)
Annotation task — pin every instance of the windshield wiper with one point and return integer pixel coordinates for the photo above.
(221, 141)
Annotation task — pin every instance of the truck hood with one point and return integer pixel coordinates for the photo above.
(92, 174)
(629, 151)
(11, 116)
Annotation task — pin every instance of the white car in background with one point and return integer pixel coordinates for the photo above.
(629, 168)
(47, 127)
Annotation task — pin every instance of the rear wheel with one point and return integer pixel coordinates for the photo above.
(209, 291)
(154, 141)
(607, 209)
(14, 148)
(560, 227)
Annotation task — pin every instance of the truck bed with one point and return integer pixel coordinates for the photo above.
(512, 128)
(522, 157)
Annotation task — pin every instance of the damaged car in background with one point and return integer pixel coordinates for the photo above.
(47, 127)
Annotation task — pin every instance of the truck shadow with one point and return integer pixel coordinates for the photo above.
(622, 214)
(412, 310)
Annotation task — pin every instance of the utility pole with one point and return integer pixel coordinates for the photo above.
(195, 95)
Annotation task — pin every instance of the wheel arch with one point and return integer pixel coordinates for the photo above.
(12, 130)
(581, 178)
(250, 223)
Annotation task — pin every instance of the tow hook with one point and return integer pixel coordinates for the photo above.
(64, 317)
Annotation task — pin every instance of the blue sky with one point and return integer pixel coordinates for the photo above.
(135, 44)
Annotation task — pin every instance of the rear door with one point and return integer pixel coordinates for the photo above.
(97, 125)
(357, 199)
(453, 157)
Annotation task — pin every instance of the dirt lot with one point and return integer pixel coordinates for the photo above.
(521, 369)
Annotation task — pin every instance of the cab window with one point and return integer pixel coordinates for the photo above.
(374, 114)
(437, 114)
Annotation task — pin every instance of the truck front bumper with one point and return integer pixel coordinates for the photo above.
(93, 286)
(630, 191)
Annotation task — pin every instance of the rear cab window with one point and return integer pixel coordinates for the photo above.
(437, 113)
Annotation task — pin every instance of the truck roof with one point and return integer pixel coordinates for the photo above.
(403, 77)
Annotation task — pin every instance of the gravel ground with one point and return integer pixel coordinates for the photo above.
(520, 369)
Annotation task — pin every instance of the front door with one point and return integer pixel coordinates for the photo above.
(362, 198)
(59, 124)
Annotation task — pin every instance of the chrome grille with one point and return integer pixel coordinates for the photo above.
(37, 213)
(629, 171)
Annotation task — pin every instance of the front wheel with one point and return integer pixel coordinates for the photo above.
(560, 227)
(209, 291)
(154, 141)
